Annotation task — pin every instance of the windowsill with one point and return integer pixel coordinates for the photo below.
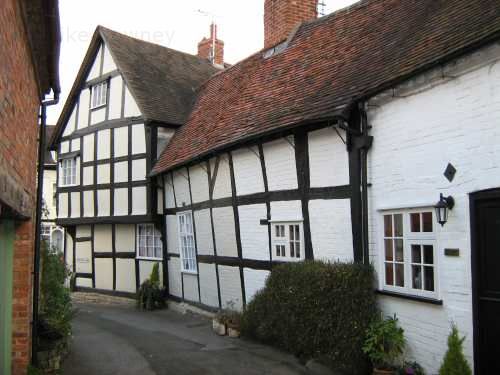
(150, 259)
(192, 273)
(411, 297)
(98, 107)
(68, 186)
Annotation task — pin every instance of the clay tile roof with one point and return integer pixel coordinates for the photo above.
(163, 81)
(328, 65)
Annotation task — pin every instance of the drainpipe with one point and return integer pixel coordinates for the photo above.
(38, 223)
(364, 183)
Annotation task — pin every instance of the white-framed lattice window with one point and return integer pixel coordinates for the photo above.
(186, 242)
(45, 233)
(409, 261)
(149, 245)
(287, 241)
(99, 95)
(68, 172)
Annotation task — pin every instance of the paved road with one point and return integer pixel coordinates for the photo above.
(118, 339)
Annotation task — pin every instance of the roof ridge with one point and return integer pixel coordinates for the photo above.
(106, 29)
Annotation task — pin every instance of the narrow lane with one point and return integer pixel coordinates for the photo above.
(113, 339)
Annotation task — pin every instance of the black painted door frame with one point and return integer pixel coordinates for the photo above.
(475, 200)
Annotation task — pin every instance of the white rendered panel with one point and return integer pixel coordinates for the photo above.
(115, 98)
(247, 171)
(222, 186)
(255, 280)
(281, 170)
(225, 234)
(169, 192)
(83, 109)
(88, 203)
(125, 238)
(138, 139)
(104, 274)
(70, 125)
(204, 239)
(64, 147)
(125, 275)
(63, 205)
(103, 206)
(208, 284)
(174, 277)
(108, 64)
(191, 287)
(181, 186)
(103, 174)
(139, 196)
(103, 238)
(145, 269)
(230, 287)
(139, 170)
(121, 141)
(121, 171)
(88, 147)
(286, 211)
(75, 204)
(83, 252)
(83, 231)
(96, 66)
(88, 176)
(97, 116)
(172, 234)
(75, 144)
(199, 183)
(121, 202)
(254, 236)
(131, 108)
(103, 144)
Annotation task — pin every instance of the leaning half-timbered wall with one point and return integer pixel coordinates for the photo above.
(237, 197)
(113, 149)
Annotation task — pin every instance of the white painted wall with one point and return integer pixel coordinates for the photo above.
(328, 158)
(139, 170)
(115, 97)
(125, 238)
(181, 186)
(75, 205)
(103, 144)
(281, 170)
(254, 281)
(199, 183)
(63, 205)
(222, 188)
(191, 287)
(254, 236)
(88, 176)
(88, 147)
(108, 63)
(435, 122)
(121, 172)
(125, 275)
(96, 66)
(83, 109)
(121, 141)
(131, 108)
(103, 174)
(225, 236)
(230, 287)
(88, 203)
(174, 277)
(103, 235)
(208, 285)
(247, 171)
(103, 202)
(204, 238)
(121, 202)
(145, 269)
(139, 206)
(104, 274)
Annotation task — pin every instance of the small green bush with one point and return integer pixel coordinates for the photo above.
(56, 310)
(151, 296)
(384, 343)
(454, 362)
(315, 310)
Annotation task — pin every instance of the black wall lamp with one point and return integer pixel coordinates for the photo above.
(442, 207)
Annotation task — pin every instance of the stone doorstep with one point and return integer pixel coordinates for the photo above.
(97, 298)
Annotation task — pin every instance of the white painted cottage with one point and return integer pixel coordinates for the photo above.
(334, 142)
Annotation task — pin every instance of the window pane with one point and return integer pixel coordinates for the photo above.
(398, 225)
(400, 275)
(297, 249)
(416, 256)
(389, 254)
(297, 232)
(292, 249)
(388, 225)
(278, 250)
(415, 222)
(277, 227)
(292, 232)
(428, 254)
(429, 278)
(399, 250)
(427, 222)
(282, 234)
(389, 274)
(416, 272)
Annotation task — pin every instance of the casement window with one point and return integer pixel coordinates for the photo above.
(186, 242)
(68, 172)
(287, 241)
(99, 95)
(409, 253)
(149, 245)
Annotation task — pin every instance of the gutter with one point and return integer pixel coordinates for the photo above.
(38, 224)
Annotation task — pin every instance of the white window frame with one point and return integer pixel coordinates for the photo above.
(65, 179)
(285, 241)
(152, 234)
(187, 242)
(410, 238)
(99, 95)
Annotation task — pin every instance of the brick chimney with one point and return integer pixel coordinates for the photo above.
(281, 16)
(212, 48)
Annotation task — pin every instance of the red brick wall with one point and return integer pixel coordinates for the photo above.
(19, 104)
(281, 16)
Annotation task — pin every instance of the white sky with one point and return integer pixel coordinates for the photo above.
(172, 23)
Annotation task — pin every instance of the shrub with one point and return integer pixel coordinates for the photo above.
(315, 310)
(56, 310)
(454, 361)
(384, 343)
(151, 296)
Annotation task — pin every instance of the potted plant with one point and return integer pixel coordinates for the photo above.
(384, 345)
(219, 323)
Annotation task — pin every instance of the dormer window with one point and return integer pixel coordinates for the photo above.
(99, 95)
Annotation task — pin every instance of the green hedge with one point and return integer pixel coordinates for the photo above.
(316, 310)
